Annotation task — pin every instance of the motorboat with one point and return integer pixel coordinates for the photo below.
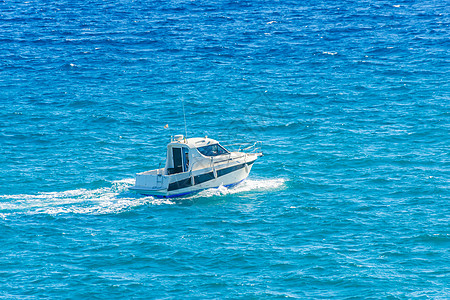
(195, 164)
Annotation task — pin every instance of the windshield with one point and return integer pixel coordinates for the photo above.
(212, 150)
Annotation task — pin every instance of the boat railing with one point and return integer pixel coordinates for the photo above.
(246, 147)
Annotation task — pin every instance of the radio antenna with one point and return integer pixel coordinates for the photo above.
(184, 116)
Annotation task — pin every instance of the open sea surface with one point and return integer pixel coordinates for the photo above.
(350, 99)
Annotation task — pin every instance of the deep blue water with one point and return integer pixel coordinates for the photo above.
(350, 99)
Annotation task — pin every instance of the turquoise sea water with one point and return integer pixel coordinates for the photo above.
(350, 99)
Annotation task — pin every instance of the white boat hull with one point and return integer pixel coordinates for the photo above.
(154, 183)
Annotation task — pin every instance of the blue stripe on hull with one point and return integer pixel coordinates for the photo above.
(184, 183)
(193, 192)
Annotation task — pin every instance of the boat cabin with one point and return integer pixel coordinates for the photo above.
(184, 154)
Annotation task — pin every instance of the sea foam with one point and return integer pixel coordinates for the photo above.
(113, 199)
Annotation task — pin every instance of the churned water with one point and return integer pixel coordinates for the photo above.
(350, 99)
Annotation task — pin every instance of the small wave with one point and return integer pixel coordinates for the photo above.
(68, 66)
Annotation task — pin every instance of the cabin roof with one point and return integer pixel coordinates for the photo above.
(194, 142)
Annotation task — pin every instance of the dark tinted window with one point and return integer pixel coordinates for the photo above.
(212, 150)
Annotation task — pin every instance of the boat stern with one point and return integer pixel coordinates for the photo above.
(152, 182)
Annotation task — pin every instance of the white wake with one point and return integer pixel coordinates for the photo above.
(246, 186)
(111, 200)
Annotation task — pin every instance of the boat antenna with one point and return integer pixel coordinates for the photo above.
(184, 116)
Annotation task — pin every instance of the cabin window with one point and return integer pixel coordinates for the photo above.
(212, 150)
(180, 158)
(185, 159)
(177, 161)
